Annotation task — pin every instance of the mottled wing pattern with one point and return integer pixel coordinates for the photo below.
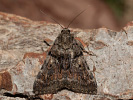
(65, 68)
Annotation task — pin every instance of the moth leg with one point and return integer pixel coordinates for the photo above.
(48, 42)
(90, 53)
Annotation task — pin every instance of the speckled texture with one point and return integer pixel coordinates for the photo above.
(11, 98)
(5, 81)
(22, 52)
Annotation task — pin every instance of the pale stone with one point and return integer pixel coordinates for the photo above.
(22, 47)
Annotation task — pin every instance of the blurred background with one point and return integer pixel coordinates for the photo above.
(112, 14)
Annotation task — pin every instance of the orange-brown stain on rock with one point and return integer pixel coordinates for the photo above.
(18, 69)
(47, 96)
(130, 43)
(129, 24)
(41, 57)
(5, 81)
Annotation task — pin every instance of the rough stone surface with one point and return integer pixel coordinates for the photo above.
(22, 52)
(5, 80)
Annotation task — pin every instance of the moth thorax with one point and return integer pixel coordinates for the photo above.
(66, 38)
(66, 62)
(79, 61)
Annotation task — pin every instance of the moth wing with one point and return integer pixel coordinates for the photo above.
(75, 75)
(85, 81)
(44, 83)
(81, 78)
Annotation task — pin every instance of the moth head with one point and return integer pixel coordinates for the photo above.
(65, 31)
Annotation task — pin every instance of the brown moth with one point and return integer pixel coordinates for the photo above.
(65, 68)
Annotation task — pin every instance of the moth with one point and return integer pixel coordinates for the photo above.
(65, 68)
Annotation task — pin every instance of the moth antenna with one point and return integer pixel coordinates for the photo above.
(77, 16)
(52, 18)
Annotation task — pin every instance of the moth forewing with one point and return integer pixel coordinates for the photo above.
(65, 59)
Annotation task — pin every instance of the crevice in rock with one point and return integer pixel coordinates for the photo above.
(21, 95)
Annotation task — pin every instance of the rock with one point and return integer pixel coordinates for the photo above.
(11, 98)
(5, 80)
(23, 51)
